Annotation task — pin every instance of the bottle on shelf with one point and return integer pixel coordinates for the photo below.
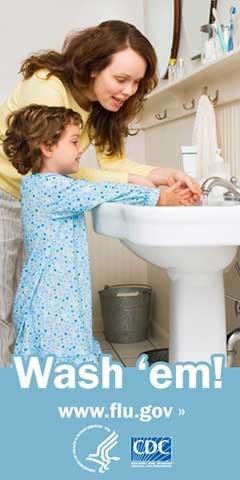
(172, 70)
(180, 69)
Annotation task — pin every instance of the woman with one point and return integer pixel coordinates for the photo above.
(103, 73)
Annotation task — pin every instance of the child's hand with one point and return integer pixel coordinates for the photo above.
(175, 196)
(193, 197)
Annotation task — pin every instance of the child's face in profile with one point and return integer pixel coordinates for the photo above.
(64, 157)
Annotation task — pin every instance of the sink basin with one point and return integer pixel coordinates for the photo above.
(195, 245)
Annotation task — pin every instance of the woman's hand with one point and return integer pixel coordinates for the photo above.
(140, 180)
(169, 176)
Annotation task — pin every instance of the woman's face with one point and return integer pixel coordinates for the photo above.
(119, 80)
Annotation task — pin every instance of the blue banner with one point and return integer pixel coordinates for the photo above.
(168, 421)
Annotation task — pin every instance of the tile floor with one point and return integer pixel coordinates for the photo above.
(128, 353)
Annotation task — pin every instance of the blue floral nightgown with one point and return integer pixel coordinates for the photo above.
(52, 309)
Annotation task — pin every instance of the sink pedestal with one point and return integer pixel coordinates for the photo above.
(197, 304)
(197, 316)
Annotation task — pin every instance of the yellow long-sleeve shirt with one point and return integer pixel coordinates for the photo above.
(51, 91)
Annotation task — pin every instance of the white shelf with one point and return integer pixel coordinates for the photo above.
(222, 74)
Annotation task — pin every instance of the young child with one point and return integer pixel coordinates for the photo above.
(52, 310)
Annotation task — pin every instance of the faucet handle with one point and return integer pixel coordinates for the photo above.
(234, 181)
(229, 196)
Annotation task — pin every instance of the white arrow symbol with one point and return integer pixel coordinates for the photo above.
(181, 411)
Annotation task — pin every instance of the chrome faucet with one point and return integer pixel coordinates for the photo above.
(232, 186)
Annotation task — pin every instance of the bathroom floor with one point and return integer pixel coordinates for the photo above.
(128, 353)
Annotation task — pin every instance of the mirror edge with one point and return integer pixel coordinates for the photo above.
(176, 31)
(213, 5)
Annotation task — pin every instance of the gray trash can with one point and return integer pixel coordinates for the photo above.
(157, 355)
(125, 310)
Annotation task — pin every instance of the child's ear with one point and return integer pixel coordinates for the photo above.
(46, 150)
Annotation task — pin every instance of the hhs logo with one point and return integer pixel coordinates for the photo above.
(151, 451)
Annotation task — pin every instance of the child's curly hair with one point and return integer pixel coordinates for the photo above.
(31, 126)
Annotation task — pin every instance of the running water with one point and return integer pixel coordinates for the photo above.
(204, 200)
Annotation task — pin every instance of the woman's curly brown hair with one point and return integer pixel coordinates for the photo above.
(89, 51)
(31, 126)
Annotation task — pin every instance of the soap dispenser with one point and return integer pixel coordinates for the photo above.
(219, 168)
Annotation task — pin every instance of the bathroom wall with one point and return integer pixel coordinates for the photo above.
(26, 27)
(163, 148)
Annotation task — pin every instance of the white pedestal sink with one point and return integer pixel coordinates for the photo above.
(194, 245)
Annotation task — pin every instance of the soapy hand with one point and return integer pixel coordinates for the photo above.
(175, 195)
(169, 176)
(192, 196)
(186, 190)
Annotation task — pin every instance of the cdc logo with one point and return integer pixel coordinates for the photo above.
(151, 451)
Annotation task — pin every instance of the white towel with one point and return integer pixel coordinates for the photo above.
(205, 135)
